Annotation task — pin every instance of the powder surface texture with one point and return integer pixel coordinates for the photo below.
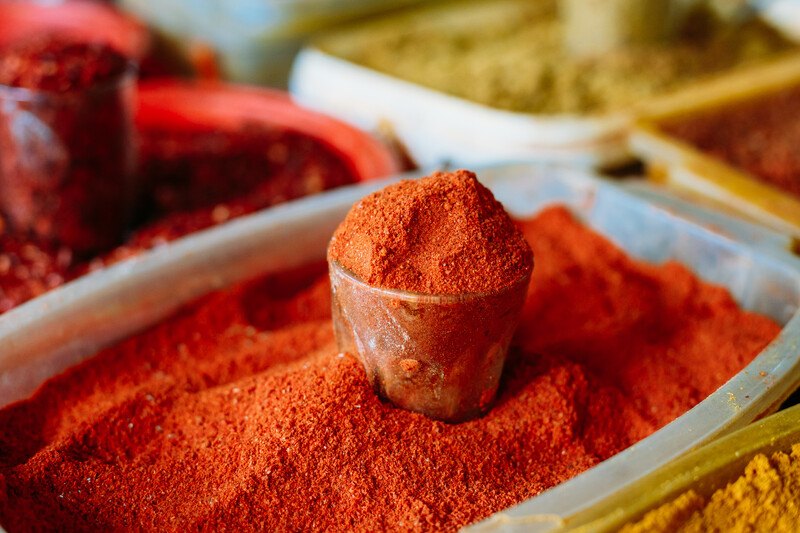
(766, 497)
(443, 234)
(237, 413)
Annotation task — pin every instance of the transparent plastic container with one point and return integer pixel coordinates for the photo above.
(684, 168)
(68, 162)
(440, 355)
(57, 330)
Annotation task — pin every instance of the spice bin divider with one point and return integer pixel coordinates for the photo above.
(52, 332)
(681, 166)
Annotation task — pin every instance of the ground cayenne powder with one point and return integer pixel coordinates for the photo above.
(441, 350)
(237, 413)
(66, 135)
(444, 234)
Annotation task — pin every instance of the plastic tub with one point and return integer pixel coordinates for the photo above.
(437, 128)
(254, 40)
(176, 105)
(55, 331)
(704, 470)
(683, 167)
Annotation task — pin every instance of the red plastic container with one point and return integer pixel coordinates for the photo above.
(204, 105)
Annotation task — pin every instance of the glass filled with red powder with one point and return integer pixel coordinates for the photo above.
(67, 151)
(428, 279)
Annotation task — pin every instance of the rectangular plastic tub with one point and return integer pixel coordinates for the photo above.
(55, 331)
(436, 128)
(683, 167)
(254, 40)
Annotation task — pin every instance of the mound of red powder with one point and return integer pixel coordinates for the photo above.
(238, 414)
(443, 234)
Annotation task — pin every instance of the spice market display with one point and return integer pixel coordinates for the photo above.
(247, 386)
(463, 347)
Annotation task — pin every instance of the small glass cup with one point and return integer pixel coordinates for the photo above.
(440, 355)
(67, 162)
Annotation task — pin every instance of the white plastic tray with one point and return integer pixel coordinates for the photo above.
(55, 331)
(439, 129)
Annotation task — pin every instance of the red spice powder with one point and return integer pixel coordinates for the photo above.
(443, 234)
(59, 64)
(197, 179)
(237, 413)
(761, 136)
(188, 170)
(66, 137)
(28, 268)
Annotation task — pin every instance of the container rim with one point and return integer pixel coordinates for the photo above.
(421, 297)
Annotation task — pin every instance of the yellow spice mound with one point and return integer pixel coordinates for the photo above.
(765, 498)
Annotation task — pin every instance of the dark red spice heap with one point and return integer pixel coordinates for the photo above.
(254, 168)
(66, 139)
(195, 180)
(192, 180)
(59, 65)
(443, 234)
(761, 136)
(28, 268)
(236, 413)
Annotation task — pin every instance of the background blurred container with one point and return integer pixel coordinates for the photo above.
(686, 168)
(254, 40)
(784, 14)
(476, 82)
(83, 20)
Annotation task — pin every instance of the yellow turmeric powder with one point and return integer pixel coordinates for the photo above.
(765, 498)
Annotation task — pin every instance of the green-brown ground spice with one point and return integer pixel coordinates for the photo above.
(509, 54)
